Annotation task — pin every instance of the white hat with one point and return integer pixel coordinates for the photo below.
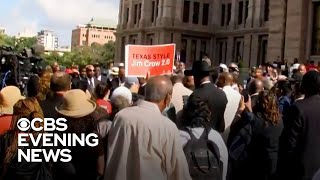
(121, 65)
(122, 91)
(9, 96)
(76, 104)
(223, 66)
(115, 71)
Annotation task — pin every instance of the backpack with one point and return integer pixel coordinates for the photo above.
(203, 157)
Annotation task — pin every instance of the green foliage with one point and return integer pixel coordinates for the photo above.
(18, 44)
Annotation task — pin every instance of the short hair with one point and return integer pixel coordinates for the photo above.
(157, 88)
(176, 78)
(101, 90)
(89, 66)
(311, 83)
(60, 81)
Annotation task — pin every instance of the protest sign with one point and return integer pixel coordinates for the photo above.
(154, 60)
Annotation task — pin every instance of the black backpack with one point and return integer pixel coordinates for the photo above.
(203, 157)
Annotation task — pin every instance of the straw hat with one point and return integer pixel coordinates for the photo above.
(76, 104)
(9, 96)
(115, 71)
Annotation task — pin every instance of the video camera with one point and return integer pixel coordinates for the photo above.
(17, 68)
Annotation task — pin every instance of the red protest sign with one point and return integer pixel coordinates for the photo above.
(153, 60)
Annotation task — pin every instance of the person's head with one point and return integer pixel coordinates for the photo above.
(83, 72)
(118, 103)
(55, 67)
(311, 83)
(97, 71)
(26, 108)
(233, 68)
(235, 78)
(258, 74)
(255, 86)
(60, 82)
(124, 92)
(181, 66)
(196, 113)
(90, 71)
(176, 79)
(297, 90)
(302, 69)
(267, 105)
(201, 72)
(225, 79)
(283, 88)
(110, 65)
(159, 91)
(205, 55)
(101, 90)
(44, 86)
(295, 61)
(142, 81)
(122, 71)
(312, 62)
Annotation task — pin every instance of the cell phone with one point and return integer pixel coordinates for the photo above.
(245, 94)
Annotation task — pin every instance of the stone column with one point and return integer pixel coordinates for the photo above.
(167, 15)
(249, 20)
(309, 31)
(254, 50)
(230, 49)
(234, 12)
(200, 13)
(258, 13)
(247, 50)
(178, 13)
(146, 13)
(216, 13)
(177, 40)
(131, 15)
(160, 11)
(191, 13)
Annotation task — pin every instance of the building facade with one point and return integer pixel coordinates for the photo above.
(26, 33)
(251, 31)
(96, 31)
(48, 39)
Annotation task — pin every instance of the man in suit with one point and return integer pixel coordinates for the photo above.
(142, 82)
(120, 80)
(207, 91)
(97, 72)
(300, 143)
(91, 79)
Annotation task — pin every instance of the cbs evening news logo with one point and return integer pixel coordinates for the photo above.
(48, 137)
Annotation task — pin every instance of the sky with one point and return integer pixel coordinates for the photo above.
(60, 16)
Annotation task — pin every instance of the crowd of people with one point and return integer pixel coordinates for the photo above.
(199, 123)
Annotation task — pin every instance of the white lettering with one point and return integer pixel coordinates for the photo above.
(95, 140)
(22, 140)
(61, 122)
(35, 156)
(21, 154)
(66, 154)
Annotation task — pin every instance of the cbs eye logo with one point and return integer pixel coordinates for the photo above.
(23, 124)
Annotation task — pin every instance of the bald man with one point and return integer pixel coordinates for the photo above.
(255, 87)
(225, 82)
(302, 69)
(91, 79)
(141, 137)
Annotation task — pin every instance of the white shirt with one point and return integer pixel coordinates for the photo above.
(99, 78)
(215, 137)
(91, 81)
(234, 98)
(206, 82)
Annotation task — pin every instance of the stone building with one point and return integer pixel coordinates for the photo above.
(254, 31)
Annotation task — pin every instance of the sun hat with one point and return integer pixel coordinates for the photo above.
(201, 67)
(115, 71)
(76, 104)
(9, 96)
(122, 91)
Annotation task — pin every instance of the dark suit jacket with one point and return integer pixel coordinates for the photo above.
(142, 90)
(49, 106)
(254, 100)
(300, 143)
(217, 101)
(96, 82)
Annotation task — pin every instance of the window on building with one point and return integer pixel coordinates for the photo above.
(193, 49)
(139, 12)
(263, 47)
(157, 7)
(246, 12)
(105, 37)
(183, 51)
(203, 48)
(153, 10)
(266, 10)
(240, 11)
(135, 13)
(186, 9)
(205, 17)
(196, 8)
(127, 15)
(223, 12)
(316, 29)
(238, 49)
(229, 13)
